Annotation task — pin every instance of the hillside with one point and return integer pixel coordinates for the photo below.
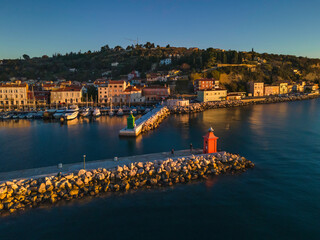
(194, 62)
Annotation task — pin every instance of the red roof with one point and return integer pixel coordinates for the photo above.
(206, 79)
(116, 82)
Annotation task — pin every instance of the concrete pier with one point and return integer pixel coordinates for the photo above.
(106, 163)
(139, 123)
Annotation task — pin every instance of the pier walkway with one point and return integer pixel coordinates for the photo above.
(107, 163)
(139, 123)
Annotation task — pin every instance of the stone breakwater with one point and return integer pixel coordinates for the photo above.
(200, 107)
(154, 121)
(21, 194)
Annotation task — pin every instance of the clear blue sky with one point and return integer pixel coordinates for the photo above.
(38, 27)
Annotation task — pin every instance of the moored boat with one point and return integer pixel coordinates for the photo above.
(59, 113)
(96, 112)
(85, 112)
(120, 112)
(71, 113)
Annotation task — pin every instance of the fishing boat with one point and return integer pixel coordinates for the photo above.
(96, 112)
(59, 113)
(71, 113)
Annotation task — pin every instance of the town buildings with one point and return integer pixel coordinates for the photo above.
(134, 95)
(113, 91)
(177, 103)
(166, 61)
(212, 95)
(205, 84)
(271, 90)
(67, 95)
(283, 88)
(14, 94)
(155, 93)
(256, 88)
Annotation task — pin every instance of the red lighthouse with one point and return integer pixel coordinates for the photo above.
(210, 142)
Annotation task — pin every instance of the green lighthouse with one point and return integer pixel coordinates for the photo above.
(130, 121)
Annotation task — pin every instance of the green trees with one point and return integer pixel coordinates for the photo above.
(26, 57)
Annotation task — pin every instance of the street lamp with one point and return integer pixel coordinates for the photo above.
(84, 161)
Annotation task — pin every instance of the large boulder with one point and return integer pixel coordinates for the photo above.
(42, 188)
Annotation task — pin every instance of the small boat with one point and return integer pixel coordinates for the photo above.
(22, 116)
(96, 112)
(134, 111)
(15, 116)
(6, 116)
(120, 112)
(30, 115)
(49, 113)
(39, 114)
(71, 113)
(85, 112)
(110, 113)
(58, 114)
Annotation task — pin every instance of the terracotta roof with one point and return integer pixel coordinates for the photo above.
(14, 85)
(116, 81)
(68, 89)
(206, 79)
(131, 89)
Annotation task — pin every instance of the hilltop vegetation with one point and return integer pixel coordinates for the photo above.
(193, 62)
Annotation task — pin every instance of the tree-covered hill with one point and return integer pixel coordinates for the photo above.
(195, 62)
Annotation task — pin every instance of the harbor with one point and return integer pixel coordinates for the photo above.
(281, 170)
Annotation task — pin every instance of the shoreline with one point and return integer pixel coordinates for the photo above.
(18, 195)
(200, 107)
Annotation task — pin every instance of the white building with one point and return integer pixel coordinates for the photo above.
(166, 61)
(13, 94)
(68, 95)
(177, 102)
(212, 95)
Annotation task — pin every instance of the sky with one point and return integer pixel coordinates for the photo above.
(46, 27)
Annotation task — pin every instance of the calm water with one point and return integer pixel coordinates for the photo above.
(278, 199)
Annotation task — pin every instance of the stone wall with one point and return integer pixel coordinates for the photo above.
(200, 107)
(154, 121)
(26, 193)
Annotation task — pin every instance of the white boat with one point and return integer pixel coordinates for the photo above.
(22, 116)
(96, 112)
(6, 116)
(110, 113)
(59, 113)
(71, 113)
(120, 112)
(39, 114)
(15, 117)
(30, 115)
(85, 112)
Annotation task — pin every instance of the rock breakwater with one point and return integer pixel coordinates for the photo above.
(200, 107)
(154, 121)
(21, 194)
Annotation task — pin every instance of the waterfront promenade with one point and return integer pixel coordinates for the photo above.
(105, 163)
